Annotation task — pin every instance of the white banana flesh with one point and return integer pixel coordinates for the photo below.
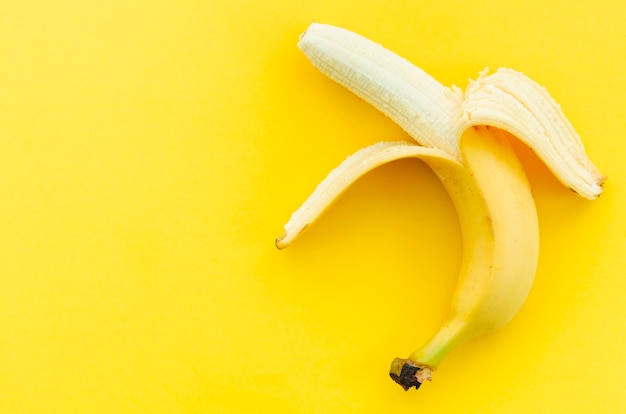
(461, 137)
(423, 107)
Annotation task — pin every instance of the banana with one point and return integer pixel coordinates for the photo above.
(464, 137)
(501, 247)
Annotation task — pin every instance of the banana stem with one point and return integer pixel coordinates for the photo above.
(440, 345)
(412, 372)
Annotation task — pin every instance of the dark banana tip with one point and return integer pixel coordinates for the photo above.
(404, 372)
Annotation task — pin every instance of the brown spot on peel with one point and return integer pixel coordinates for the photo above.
(279, 240)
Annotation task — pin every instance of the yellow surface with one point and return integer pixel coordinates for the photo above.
(150, 151)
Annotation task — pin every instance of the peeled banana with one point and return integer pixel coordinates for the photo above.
(464, 138)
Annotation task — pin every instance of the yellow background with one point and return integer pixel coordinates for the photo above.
(150, 152)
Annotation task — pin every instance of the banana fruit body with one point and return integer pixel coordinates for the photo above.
(501, 247)
(464, 139)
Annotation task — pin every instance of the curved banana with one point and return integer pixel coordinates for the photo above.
(501, 247)
(462, 139)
